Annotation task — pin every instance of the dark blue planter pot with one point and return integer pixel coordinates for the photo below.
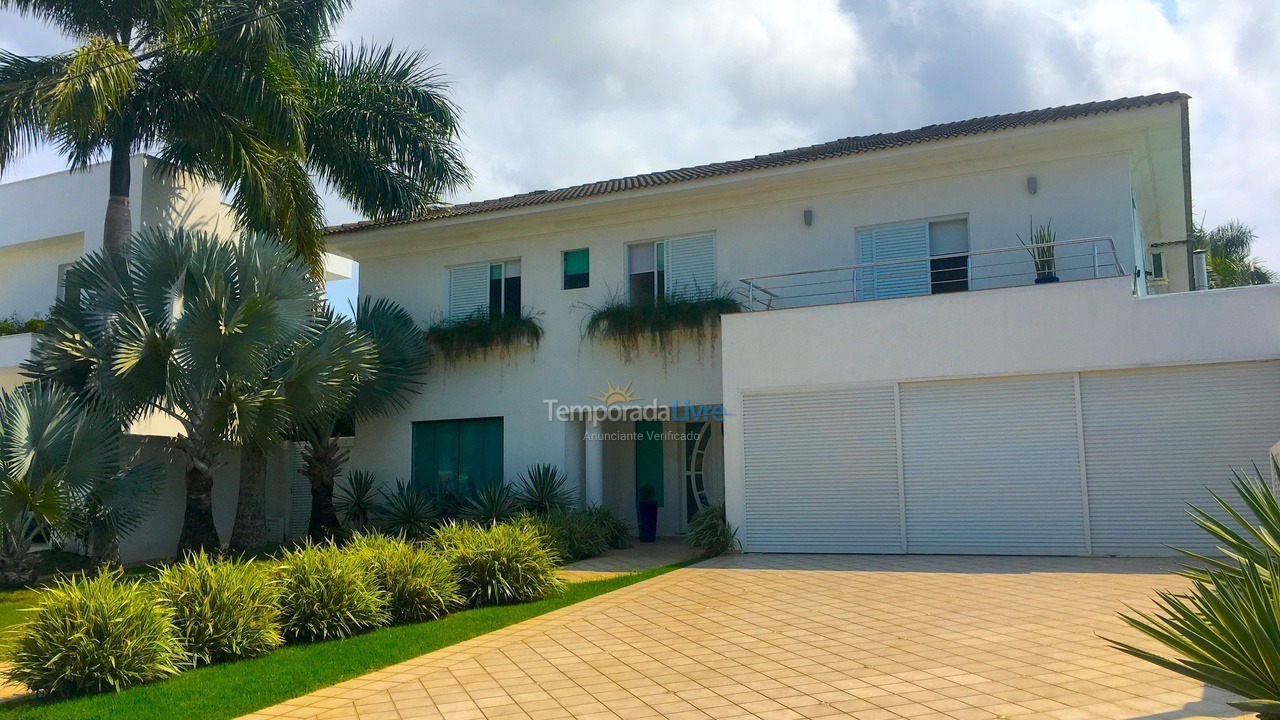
(1045, 279)
(647, 519)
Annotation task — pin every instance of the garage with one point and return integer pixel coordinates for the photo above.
(1091, 463)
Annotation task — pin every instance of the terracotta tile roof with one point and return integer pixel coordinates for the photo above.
(825, 151)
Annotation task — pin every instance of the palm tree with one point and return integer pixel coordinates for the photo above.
(396, 360)
(1230, 255)
(189, 326)
(61, 470)
(315, 380)
(245, 93)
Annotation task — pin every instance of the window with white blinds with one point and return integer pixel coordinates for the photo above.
(468, 290)
(681, 267)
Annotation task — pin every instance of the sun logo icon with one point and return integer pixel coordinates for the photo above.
(613, 395)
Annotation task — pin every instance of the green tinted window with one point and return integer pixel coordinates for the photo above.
(577, 269)
(457, 455)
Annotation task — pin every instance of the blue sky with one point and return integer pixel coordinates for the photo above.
(566, 91)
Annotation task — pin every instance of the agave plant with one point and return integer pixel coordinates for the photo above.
(358, 500)
(491, 504)
(1041, 247)
(408, 511)
(542, 488)
(1225, 631)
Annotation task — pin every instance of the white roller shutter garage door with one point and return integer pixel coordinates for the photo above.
(1100, 463)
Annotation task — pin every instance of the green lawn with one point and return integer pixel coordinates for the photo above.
(234, 689)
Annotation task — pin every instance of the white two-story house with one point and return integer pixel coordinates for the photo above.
(904, 376)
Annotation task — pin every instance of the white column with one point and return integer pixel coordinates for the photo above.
(594, 462)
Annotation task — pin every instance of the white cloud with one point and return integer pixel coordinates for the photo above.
(567, 91)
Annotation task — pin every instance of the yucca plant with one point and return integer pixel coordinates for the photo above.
(95, 634)
(222, 609)
(326, 593)
(358, 500)
(491, 504)
(710, 534)
(419, 585)
(543, 488)
(500, 564)
(408, 511)
(1226, 632)
(1242, 540)
(573, 534)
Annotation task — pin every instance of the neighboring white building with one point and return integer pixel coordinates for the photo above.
(51, 221)
(1073, 417)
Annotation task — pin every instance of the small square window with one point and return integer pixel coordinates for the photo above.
(1157, 265)
(577, 269)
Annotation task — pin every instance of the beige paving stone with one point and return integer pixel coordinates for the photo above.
(792, 636)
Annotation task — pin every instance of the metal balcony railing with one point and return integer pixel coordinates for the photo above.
(1080, 259)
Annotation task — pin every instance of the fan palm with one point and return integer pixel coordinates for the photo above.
(188, 326)
(244, 93)
(315, 380)
(1230, 255)
(58, 456)
(391, 372)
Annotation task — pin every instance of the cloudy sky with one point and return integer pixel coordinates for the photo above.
(559, 92)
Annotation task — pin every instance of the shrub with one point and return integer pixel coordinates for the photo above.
(491, 504)
(710, 534)
(34, 325)
(543, 488)
(326, 593)
(90, 635)
(222, 609)
(1224, 631)
(662, 324)
(419, 585)
(357, 499)
(501, 564)
(572, 534)
(408, 512)
(615, 530)
(481, 333)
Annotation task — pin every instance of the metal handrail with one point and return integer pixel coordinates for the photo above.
(753, 285)
(864, 266)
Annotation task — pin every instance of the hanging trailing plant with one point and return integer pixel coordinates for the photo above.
(479, 334)
(660, 326)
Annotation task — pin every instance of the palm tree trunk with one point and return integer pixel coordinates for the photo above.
(250, 530)
(119, 223)
(199, 533)
(321, 464)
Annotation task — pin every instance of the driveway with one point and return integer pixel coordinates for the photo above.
(793, 636)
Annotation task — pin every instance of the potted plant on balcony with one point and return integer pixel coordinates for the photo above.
(647, 513)
(1041, 248)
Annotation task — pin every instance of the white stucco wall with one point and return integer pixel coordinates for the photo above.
(1084, 188)
(157, 538)
(1069, 327)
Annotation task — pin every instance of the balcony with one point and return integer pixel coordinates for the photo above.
(1060, 261)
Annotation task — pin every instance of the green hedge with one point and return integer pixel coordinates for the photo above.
(89, 635)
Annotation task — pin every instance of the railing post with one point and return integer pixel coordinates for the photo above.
(751, 296)
(1094, 245)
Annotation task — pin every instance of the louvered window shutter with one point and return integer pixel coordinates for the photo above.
(691, 267)
(886, 245)
(468, 290)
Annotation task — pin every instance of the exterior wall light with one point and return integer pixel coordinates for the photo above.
(1032, 185)
(808, 218)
